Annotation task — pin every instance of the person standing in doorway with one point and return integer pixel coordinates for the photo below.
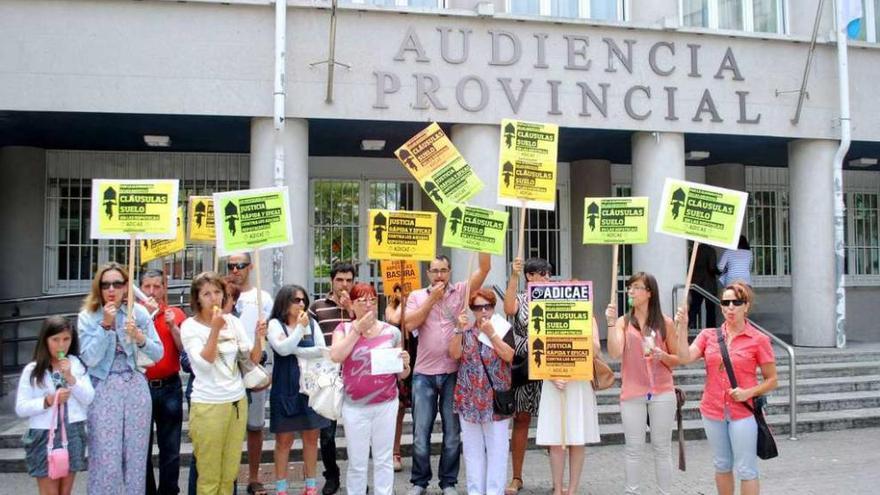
(433, 313)
(330, 311)
(706, 277)
(163, 378)
(239, 267)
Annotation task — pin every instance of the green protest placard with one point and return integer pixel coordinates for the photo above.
(475, 229)
(616, 220)
(706, 214)
(440, 169)
(252, 219)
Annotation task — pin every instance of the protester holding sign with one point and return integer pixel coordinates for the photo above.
(727, 411)
(370, 399)
(119, 416)
(483, 372)
(527, 393)
(433, 313)
(214, 342)
(293, 334)
(644, 339)
(581, 424)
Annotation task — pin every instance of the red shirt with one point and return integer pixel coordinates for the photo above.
(169, 365)
(748, 350)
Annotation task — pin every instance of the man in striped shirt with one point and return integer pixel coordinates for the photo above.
(329, 312)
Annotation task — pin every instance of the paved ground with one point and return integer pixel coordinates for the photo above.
(841, 462)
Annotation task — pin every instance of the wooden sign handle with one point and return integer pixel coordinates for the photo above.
(132, 243)
(467, 289)
(614, 253)
(259, 285)
(522, 230)
(690, 275)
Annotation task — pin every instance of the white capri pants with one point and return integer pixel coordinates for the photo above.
(485, 447)
(369, 427)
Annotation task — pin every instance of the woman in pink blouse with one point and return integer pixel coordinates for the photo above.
(730, 425)
(644, 340)
(483, 370)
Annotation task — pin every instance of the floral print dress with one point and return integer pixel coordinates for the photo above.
(473, 391)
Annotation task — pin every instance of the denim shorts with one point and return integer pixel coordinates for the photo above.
(35, 442)
(734, 446)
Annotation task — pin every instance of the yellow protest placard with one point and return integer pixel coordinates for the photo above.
(476, 229)
(159, 248)
(201, 219)
(616, 220)
(252, 219)
(706, 214)
(403, 274)
(146, 209)
(410, 235)
(560, 330)
(438, 166)
(527, 164)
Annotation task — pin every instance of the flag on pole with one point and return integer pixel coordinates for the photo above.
(851, 17)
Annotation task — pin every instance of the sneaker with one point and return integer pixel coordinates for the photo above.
(450, 490)
(331, 486)
(416, 490)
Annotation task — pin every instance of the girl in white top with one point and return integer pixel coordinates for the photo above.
(54, 374)
(218, 413)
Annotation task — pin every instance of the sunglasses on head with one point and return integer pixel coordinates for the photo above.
(735, 302)
(482, 307)
(116, 284)
(237, 266)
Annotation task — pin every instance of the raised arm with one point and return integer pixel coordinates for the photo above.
(511, 306)
(686, 354)
(479, 276)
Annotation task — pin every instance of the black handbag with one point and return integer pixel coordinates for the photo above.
(766, 443)
(519, 371)
(502, 400)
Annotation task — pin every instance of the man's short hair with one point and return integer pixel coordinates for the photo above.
(152, 273)
(443, 257)
(342, 267)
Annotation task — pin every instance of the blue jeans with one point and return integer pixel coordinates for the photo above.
(734, 446)
(430, 393)
(168, 416)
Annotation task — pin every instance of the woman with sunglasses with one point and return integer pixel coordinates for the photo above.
(644, 341)
(292, 334)
(370, 400)
(527, 393)
(119, 416)
(730, 425)
(483, 369)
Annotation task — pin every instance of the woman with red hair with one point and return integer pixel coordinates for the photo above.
(370, 400)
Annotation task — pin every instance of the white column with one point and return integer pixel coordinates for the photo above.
(656, 156)
(296, 177)
(590, 178)
(479, 146)
(812, 242)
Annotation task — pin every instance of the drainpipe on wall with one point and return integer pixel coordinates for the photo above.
(845, 138)
(279, 96)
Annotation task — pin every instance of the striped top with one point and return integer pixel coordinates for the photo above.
(329, 315)
(735, 265)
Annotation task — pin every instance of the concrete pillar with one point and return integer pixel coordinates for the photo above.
(23, 202)
(296, 177)
(656, 156)
(479, 146)
(590, 178)
(812, 234)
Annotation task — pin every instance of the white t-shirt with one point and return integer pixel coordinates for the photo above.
(218, 382)
(247, 309)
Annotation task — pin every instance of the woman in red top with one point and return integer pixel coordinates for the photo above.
(644, 340)
(730, 425)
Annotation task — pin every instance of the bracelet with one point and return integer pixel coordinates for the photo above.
(494, 334)
(457, 331)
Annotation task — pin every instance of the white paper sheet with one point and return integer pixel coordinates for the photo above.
(501, 328)
(385, 361)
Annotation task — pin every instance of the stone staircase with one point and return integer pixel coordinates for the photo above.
(837, 389)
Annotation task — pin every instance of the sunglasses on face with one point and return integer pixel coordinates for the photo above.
(237, 266)
(116, 284)
(482, 307)
(298, 300)
(735, 302)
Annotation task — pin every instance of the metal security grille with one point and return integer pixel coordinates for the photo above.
(71, 256)
(863, 244)
(543, 236)
(338, 232)
(767, 225)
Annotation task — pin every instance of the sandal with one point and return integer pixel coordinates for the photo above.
(398, 465)
(514, 486)
(256, 488)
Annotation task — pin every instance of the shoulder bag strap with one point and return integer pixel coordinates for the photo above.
(486, 370)
(728, 366)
